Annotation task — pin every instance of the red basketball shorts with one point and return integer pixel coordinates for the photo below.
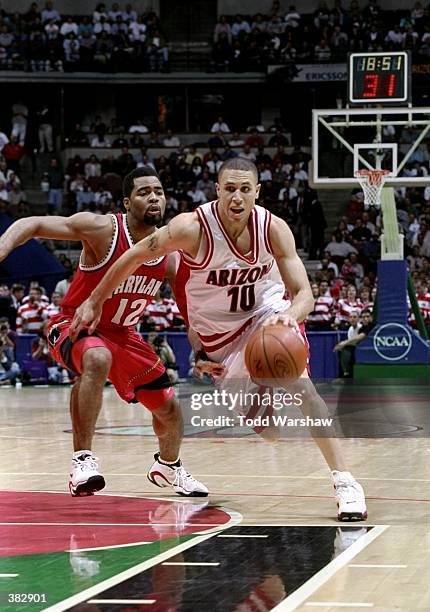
(135, 365)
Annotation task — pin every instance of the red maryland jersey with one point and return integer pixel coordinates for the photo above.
(128, 301)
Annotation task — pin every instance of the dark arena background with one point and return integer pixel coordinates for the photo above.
(330, 100)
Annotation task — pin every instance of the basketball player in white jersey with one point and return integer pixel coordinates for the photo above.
(237, 261)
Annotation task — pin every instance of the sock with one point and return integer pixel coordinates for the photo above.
(175, 463)
(81, 454)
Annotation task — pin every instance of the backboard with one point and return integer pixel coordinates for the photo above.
(347, 140)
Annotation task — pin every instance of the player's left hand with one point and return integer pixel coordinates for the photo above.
(285, 319)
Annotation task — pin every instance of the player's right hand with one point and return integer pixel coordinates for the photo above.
(87, 316)
(202, 367)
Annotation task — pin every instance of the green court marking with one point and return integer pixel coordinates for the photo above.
(62, 575)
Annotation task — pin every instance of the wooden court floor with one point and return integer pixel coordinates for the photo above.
(275, 492)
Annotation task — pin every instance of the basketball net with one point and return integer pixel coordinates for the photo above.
(372, 182)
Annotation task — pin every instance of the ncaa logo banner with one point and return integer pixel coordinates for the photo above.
(392, 342)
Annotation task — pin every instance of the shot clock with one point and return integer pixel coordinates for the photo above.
(374, 78)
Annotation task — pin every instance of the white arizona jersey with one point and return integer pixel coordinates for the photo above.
(221, 290)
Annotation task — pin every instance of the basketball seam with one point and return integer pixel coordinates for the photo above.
(285, 348)
(265, 354)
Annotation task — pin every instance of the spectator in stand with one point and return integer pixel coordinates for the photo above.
(423, 299)
(49, 13)
(196, 195)
(158, 313)
(19, 122)
(246, 153)
(222, 27)
(100, 141)
(137, 30)
(292, 18)
(63, 286)
(166, 354)
(3, 140)
(4, 194)
(254, 139)
(40, 352)
(9, 369)
(16, 294)
(68, 26)
(338, 247)
(322, 51)
(360, 233)
(322, 316)
(317, 226)
(213, 165)
(56, 185)
(278, 139)
(71, 48)
(13, 152)
(129, 14)
(207, 185)
(356, 268)
(32, 314)
(366, 298)
(220, 126)
(54, 307)
(356, 333)
(236, 140)
(138, 127)
(327, 264)
(346, 306)
(240, 27)
(93, 168)
(34, 284)
(120, 141)
(44, 121)
(170, 140)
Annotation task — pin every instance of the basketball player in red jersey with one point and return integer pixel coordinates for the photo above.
(239, 261)
(114, 351)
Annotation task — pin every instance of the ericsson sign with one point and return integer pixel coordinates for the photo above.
(392, 341)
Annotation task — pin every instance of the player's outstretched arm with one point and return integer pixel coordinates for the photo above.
(292, 271)
(77, 227)
(183, 233)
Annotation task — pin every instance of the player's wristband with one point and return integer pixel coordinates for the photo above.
(201, 355)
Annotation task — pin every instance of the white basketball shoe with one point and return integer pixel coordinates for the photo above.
(85, 478)
(174, 475)
(349, 494)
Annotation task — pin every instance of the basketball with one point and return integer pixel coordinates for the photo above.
(275, 354)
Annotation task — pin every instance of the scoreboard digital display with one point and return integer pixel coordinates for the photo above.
(379, 77)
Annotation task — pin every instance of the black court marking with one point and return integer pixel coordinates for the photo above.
(257, 573)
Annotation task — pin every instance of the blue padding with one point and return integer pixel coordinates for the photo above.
(31, 261)
(392, 292)
(392, 341)
(324, 362)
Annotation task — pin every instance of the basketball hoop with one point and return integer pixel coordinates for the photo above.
(372, 182)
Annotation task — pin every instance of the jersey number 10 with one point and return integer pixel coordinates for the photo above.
(247, 298)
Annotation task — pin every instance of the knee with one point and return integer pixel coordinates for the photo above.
(97, 362)
(168, 412)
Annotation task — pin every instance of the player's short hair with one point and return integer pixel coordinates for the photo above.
(238, 163)
(128, 182)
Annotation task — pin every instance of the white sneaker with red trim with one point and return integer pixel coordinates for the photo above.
(349, 494)
(175, 476)
(85, 478)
